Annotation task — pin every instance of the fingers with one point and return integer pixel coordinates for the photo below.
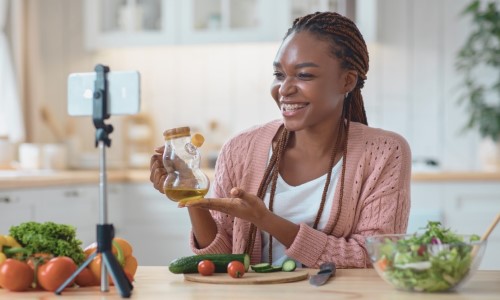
(237, 192)
(240, 193)
(160, 149)
(158, 172)
(224, 205)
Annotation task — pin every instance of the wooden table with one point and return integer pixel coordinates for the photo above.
(159, 283)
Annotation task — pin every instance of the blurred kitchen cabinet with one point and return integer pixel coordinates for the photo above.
(212, 21)
(73, 205)
(76, 205)
(118, 23)
(464, 207)
(426, 205)
(154, 225)
(470, 208)
(14, 209)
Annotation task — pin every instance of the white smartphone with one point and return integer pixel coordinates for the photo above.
(124, 93)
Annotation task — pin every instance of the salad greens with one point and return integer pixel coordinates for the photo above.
(436, 260)
(49, 237)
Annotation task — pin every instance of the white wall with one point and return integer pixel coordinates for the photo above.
(411, 87)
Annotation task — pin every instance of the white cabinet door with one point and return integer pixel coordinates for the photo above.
(14, 209)
(118, 23)
(426, 205)
(72, 205)
(214, 21)
(470, 208)
(157, 229)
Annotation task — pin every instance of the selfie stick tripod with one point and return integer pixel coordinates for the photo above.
(105, 232)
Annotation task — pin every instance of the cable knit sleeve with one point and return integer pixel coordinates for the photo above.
(377, 202)
(220, 189)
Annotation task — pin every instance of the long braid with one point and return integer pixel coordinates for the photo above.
(348, 45)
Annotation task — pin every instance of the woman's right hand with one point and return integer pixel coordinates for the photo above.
(158, 171)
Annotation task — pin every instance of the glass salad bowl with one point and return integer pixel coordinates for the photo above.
(434, 261)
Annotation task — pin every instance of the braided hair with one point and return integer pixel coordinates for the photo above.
(348, 45)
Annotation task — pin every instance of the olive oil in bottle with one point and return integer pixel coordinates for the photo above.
(185, 180)
(184, 195)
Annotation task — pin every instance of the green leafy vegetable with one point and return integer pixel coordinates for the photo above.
(436, 260)
(49, 237)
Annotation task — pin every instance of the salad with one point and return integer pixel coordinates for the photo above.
(436, 260)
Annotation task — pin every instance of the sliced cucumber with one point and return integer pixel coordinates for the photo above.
(289, 265)
(261, 266)
(267, 269)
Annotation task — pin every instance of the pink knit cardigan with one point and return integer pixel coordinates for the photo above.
(376, 196)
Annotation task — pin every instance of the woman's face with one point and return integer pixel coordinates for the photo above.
(309, 84)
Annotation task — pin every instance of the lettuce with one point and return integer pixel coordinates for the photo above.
(49, 237)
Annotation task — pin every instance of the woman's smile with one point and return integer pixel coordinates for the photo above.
(292, 109)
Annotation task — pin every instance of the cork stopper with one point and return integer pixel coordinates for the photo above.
(197, 140)
(176, 132)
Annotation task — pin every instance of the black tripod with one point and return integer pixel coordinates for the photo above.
(105, 232)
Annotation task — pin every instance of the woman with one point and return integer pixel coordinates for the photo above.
(313, 185)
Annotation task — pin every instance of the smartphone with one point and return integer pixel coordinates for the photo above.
(124, 93)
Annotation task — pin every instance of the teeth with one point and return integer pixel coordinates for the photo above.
(289, 107)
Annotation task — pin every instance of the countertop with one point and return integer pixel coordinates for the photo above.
(14, 179)
(159, 283)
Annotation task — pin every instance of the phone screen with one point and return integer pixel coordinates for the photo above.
(123, 93)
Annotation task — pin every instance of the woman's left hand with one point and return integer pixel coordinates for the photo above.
(242, 205)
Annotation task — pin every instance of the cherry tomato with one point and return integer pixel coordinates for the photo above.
(236, 269)
(16, 275)
(206, 267)
(54, 273)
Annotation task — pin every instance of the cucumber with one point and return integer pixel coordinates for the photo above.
(268, 269)
(260, 267)
(289, 265)
(189, 264)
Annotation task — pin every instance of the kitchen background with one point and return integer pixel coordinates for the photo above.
(196, 72)
(412, 87)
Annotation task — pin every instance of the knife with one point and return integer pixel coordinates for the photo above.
(326, 270)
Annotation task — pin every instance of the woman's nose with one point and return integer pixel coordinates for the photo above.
(287, 87)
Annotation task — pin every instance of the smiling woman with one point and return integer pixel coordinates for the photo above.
(311, 186)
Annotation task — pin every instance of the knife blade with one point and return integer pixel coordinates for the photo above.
(326, 270)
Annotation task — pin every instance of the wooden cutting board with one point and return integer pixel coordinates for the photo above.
(250, 277)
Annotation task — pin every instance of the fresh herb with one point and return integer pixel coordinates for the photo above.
(49, 237)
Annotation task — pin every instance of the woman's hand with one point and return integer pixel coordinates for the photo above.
(161, 166)
(158, 171)
(242, 205)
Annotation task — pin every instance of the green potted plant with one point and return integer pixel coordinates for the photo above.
(480, 55)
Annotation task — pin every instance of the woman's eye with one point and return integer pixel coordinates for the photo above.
(277, 74)
(305, 76)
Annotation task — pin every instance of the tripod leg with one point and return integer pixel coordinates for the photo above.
(78, 271)
(115, 270)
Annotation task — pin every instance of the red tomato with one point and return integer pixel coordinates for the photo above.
(86, 278)
(54, 273)
(16, 275)
(206, 267)
(236, 269)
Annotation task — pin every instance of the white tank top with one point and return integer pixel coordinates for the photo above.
(299, 204)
